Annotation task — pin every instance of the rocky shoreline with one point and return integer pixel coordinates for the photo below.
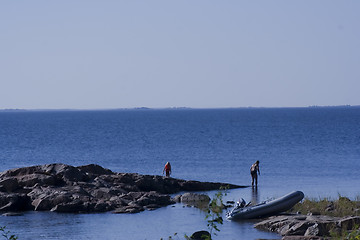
(305, 227)
(90, 188)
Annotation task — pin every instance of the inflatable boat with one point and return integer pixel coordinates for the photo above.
(267, 208)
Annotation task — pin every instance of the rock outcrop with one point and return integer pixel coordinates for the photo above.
(307, 226)
(90, 188)
(193, 199)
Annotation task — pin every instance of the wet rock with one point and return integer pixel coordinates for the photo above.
(74, 206)
(151, 207)
(12, 214)
(200, 235)
(129, 209)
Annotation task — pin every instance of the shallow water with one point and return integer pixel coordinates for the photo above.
(157, 224)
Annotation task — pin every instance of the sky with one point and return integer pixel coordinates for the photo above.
(86, 54)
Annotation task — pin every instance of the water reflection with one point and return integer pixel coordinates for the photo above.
(254, 195)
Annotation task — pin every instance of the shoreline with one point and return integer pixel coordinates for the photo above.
(89, 189)
(316, 219)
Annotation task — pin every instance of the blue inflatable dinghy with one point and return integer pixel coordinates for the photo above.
(267, 208)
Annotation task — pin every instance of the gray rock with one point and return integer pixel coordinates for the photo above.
(312, 230)
(194, 198)
(9, 184)
(306, 227)
(177, 198)
(36, 178)
(303, 238)
(129, 209)
(151, 207)
(90, 188)
(42, 204)
(70, 207)
(93, 169)
(12, 214)
(348, 222)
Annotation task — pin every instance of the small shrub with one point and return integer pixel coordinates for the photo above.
(6, 234)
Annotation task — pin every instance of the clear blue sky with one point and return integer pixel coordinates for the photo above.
(88, 54)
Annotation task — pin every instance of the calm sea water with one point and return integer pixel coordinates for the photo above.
(315, 150)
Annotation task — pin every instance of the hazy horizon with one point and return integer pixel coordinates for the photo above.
(170, 108)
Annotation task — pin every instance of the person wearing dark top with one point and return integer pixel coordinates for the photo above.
(254, 170)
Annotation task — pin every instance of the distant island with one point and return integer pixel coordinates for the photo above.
(172, 108)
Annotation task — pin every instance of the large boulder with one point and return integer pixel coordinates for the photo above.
(193, 199)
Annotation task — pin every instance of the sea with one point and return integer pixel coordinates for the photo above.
(314, 149)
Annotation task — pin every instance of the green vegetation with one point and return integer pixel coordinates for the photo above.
(215, 210)
(341, 207)
(338, 208)
(6, 234)
(345, 235)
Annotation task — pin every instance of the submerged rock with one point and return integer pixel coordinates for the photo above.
(90, 188)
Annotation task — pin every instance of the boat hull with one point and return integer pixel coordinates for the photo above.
(267, 208)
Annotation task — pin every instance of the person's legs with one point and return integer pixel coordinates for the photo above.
(255, 180)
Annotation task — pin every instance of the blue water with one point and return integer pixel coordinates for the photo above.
(315, 150)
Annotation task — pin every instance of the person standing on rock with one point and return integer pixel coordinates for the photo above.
(167, 169)
(253, 171)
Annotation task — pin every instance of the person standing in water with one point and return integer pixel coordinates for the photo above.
(253, 171)
(167, 169)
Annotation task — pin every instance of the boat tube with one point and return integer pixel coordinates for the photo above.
(267, 208)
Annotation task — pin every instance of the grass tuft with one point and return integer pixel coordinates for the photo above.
(341, 207)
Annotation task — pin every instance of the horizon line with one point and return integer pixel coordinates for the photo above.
(168, 108)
